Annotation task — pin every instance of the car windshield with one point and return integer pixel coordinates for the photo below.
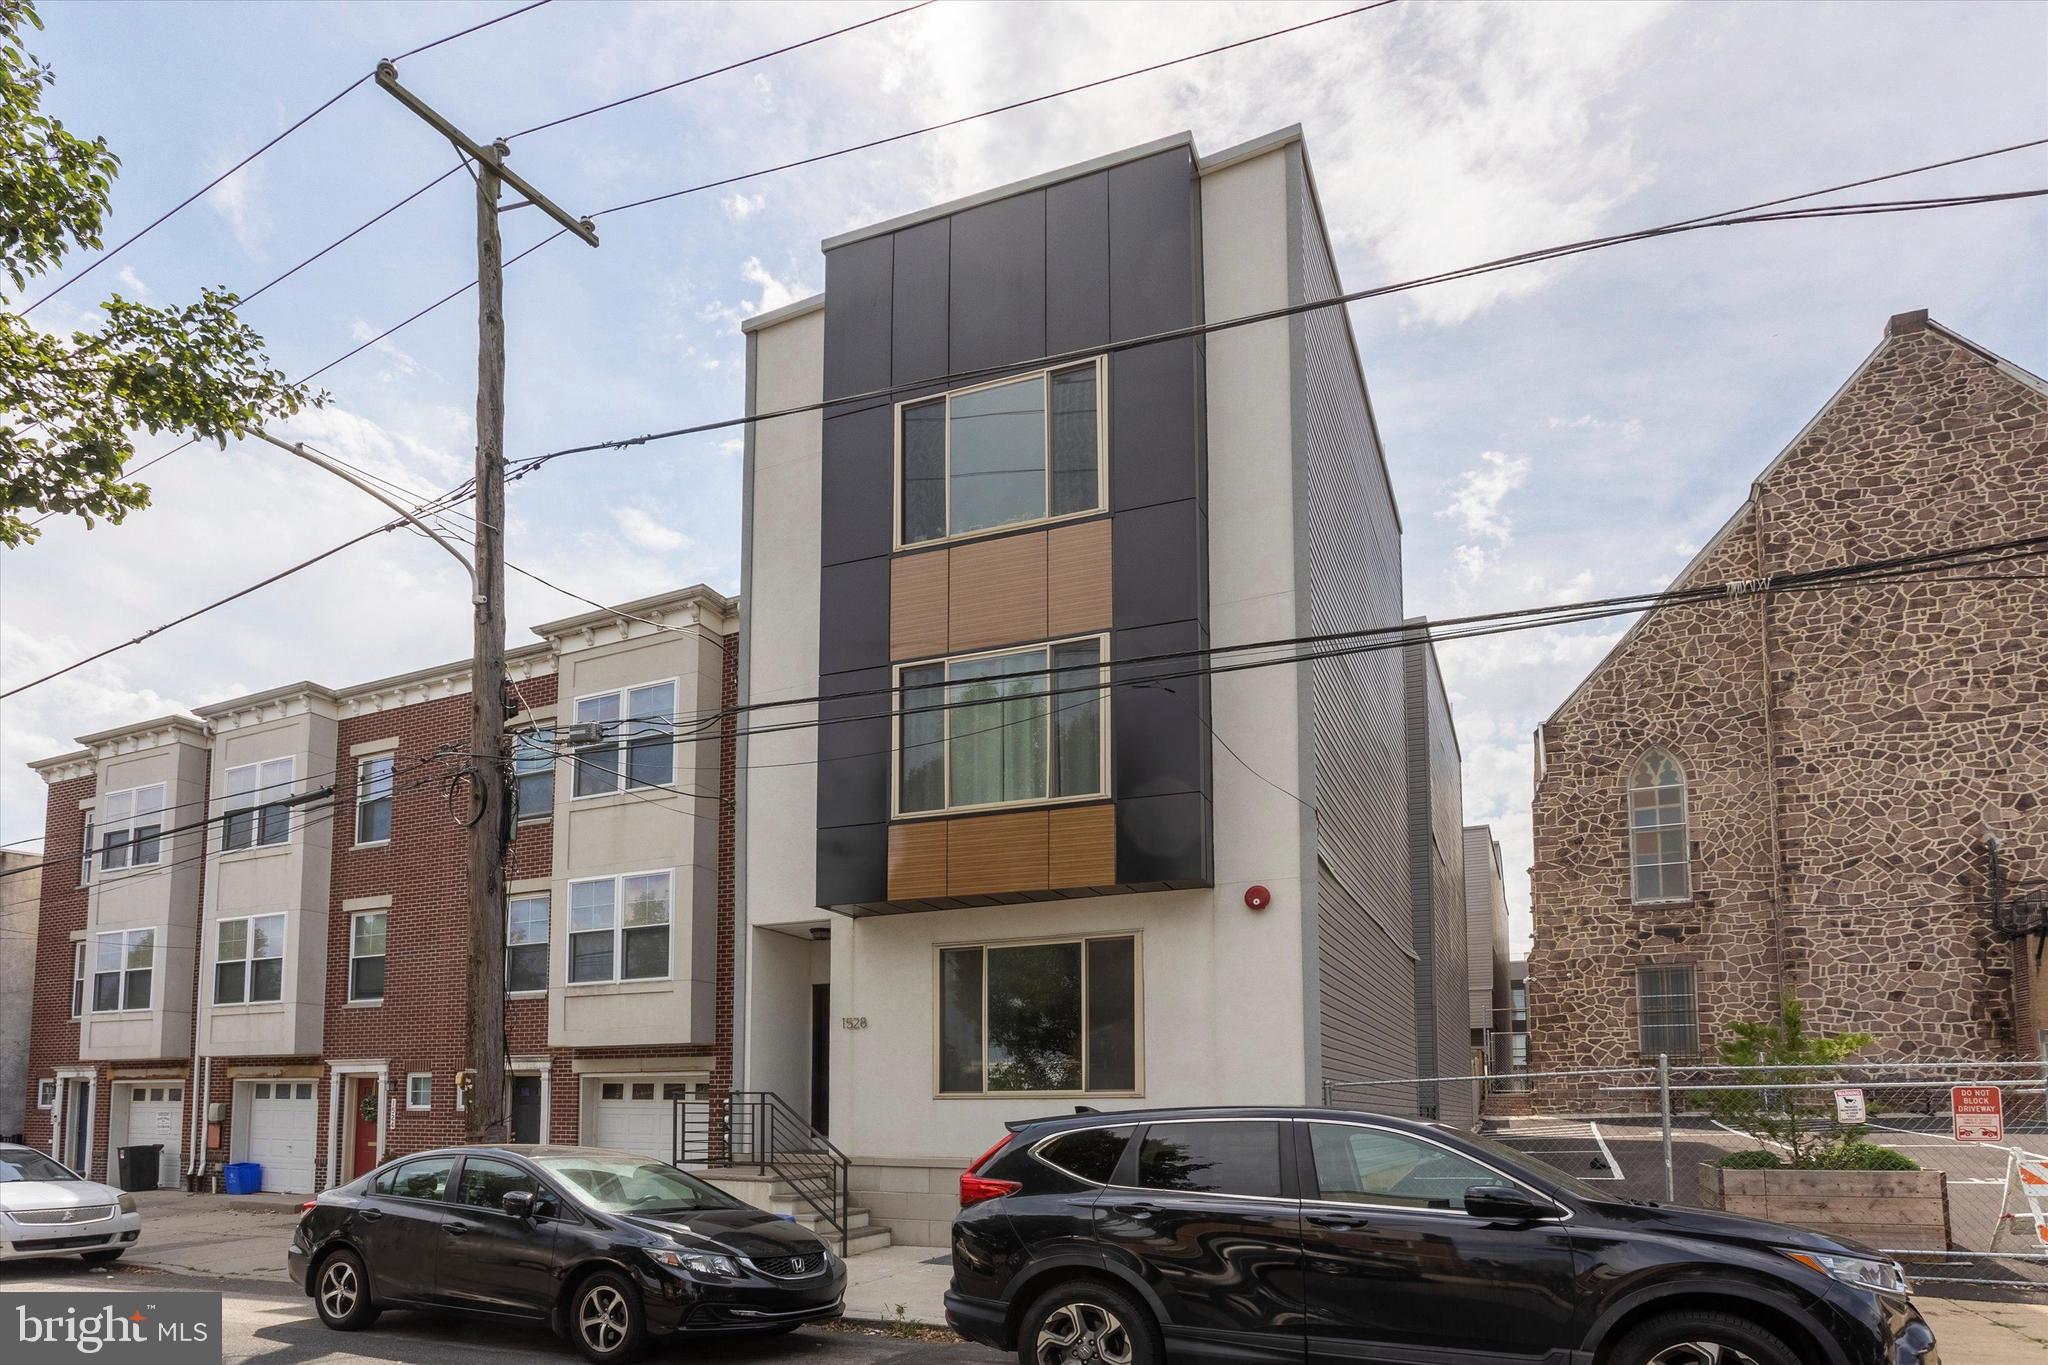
(627, 1184)
(1517, 1161)
(26, 1165)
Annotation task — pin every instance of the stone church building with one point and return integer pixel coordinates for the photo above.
(1791, 793)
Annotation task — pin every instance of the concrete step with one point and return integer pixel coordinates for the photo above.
(874, 1239)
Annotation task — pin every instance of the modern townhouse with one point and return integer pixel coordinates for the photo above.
(1028, 851)
(263, 953)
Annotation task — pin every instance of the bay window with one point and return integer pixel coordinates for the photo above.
(619, 927)
(248, 960)
(1046, 1018)
(130, 824)
(124, 962)
(999, 729)
(1012, 452)
(637, 742)
(256, 815)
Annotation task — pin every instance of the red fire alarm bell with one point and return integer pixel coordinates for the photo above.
(1257, 897)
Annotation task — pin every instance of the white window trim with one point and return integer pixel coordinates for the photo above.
(248, 959)
(88, 845)
(548, 899)
(127, 826)
(617, 879)
(156, 933)
(256, 796)
(939, 950)
(532, 733)
(46, 1092)
(81, 979)
(1101, 364)
(353, 955)
(1684, 824)
(412, 1076)
(621, 742)
(390, 797)
(1102, 791)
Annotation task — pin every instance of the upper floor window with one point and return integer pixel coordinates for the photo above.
(366, 955)
(85, 848)
(255, 811)
(619, 927)
(78, 978)
(1660, 866)
(248, 960)
(374, 799)
(124, 962)
(130, 823)
(1003, 454)
(533, 773)
(1668, 1011)
(526, 943)
(637, 741)
(999, 729)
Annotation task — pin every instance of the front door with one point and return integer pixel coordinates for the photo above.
(1214, 1228)
(493, 1260)
(821, 1057)
(362, 1125)
(1396, 1269)
(526, 1109)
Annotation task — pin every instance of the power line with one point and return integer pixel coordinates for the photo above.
(303, 120)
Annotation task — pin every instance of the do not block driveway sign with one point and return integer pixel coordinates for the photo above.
(1979, 1113)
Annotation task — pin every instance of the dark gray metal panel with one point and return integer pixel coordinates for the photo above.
(853, 749)
(1155, 424)
(857, 486)
(1152, 265)
(853, 864)
(1164, 840)
(919, 325)
(857, 307)
(853, 615)
(1156, 573)
(1077, 264)
(1157, 736)
(998, 283)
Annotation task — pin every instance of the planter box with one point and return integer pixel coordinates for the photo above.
(1896, 1210)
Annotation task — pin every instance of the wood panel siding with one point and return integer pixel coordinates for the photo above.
(917, 860)
(917, 605)
(1082, 847)
(989, 854)
(996, 593)
(1077, 578)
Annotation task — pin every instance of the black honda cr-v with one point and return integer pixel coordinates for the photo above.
(1292, 1234)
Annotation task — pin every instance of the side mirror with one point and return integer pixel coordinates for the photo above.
(1506, 1204)
(520, 1203)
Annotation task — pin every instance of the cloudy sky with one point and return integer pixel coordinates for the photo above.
(1558, 432)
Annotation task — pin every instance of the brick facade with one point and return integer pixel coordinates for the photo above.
(1846, 750)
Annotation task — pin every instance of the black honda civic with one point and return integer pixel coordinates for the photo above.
(608, 1248)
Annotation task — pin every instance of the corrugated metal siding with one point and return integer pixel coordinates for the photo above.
(1351, 557)
(1436, 886)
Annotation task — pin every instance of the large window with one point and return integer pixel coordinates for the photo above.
(124, 962)
(248, 960)
(997, 729)
(1668, 1010)
(374, 799)
(256, 813)
(619, 927)
(366, 955)
(1039, 1017)
(533, 773)
(130, 825)
(1020, 450)
(1660, 865)
(637, 739)
(526, 943)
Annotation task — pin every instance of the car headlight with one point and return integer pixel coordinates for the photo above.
(1887, 1277)
(127, 1202)
(697, 1263)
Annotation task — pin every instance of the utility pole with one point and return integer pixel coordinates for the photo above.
(490, 814)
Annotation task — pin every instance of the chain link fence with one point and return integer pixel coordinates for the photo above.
(1952, 1155)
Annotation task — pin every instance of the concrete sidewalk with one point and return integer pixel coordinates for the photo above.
(1974, 1332)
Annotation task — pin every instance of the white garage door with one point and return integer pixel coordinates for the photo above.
(281, 1134)
(637, 1113)
(156, 1114)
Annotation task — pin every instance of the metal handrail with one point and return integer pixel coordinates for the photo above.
(760, 1129)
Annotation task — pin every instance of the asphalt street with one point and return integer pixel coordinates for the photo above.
(267, 1321)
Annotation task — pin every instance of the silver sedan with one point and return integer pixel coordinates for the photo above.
(46, 1209)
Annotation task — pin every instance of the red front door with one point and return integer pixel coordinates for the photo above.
(362, 1128)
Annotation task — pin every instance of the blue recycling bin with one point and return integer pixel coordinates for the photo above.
(242, 1177)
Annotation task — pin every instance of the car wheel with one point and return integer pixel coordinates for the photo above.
(341, 1293)
(1087, 1324)
(107, 1257)
(1702, 1338)
(606, 1319)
